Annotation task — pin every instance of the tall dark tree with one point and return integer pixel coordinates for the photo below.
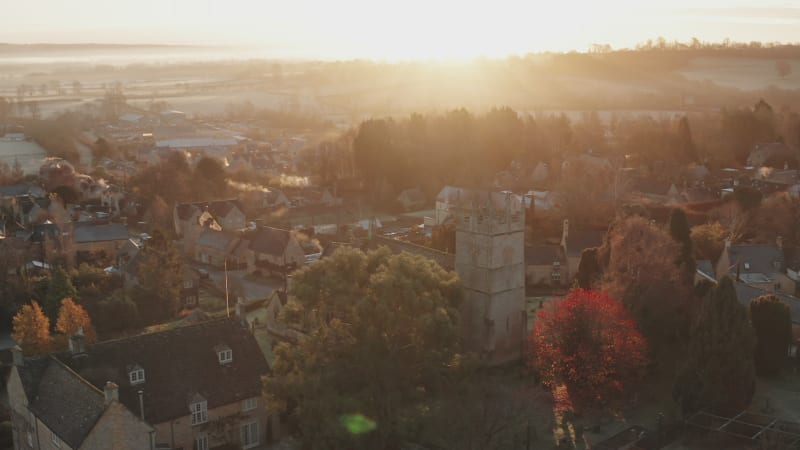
(59, 288)
(772, 322)
(685, 142)
(718, 374)
(160, 279)
(682, 234)
(589, 270)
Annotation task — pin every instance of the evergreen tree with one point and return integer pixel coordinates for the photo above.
(32, 329)
(682, 234)
(59, 288)
(719, 373)
(158, 294)
(772, 322)
(589, 270)
(685, 142)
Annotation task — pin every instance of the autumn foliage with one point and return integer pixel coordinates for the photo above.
(590, 344)
(72, 316)
(32, 329)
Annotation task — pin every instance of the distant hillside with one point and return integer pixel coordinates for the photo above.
(6, 48)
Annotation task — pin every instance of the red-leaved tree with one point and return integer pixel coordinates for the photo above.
(588, 343)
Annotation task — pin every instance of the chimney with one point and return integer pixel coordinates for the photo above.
(141, 404)
(727, 244)
(240, 312)
(779, 242)
(111, 391)
(18, 356)
(76, 342)
(565, 232)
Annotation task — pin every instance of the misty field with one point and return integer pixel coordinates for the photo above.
(742, 73)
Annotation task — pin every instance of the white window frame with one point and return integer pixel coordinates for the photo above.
(245, 431)
(199, 412)
(249, 404)
(30, 438)
(201, 442)
(55, 440)
(136, 376)
(225, 356)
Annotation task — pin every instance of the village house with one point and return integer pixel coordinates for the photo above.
(574, 242)
(215, 248)
(99, 238)
(273, 251)
(544, 266)
(757, 265)
(771, 153)
(445, 202)
(192, 387)
(52, 407)
(192, 218)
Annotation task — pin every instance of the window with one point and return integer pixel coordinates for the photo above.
(201, 442)
(777, 286)
(30, 439)
(555, 276)
(187, 284)
(55, 440)
(747, 266)
(249, 435)
(225, 356)
(136, 376)
(249, 404)
(199, 412)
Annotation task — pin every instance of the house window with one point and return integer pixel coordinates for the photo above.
(777, 265)
(201, 442)
(555, 276)
(747, 266)
(249, 434)
(136, 376)
(225, 356)
(249, 404)
(187, 284)
(55, 440)
(777, 286)
(30, 439)
(199, 412)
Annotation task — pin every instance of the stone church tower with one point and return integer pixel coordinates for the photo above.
(490, 259)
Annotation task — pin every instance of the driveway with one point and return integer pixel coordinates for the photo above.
(238, 285)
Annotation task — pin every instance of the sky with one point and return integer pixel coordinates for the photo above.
(392, 30)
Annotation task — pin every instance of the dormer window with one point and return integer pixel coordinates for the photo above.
(224, 354)
(747, 266)
(136, 375)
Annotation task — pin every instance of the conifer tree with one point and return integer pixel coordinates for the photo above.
(682, 234)
(772, 322)
(719, 374)
(59, 288)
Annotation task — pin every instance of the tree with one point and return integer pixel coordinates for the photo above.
(719, 374)
(31, 329)
(117, 313)
(747, 197)
(772, 322)
(590, 344)
(59, 288)
(708, 240)
(71, 317)
(679, 230)
(210, 177)
(382, 338)
(685, 142)
(641, 272)
(589, 270)
(158, 295)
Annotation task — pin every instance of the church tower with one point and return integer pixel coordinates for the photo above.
(490, 260)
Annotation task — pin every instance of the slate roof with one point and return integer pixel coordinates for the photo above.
(760, 258)
(217, 208)
(67, 404)
(270, 241)
(705, 267)
(577, 241)
(219, 240)
(543, 255)
(179, 365)
(100, 232)
(16, 190)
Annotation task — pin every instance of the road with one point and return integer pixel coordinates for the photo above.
(239, 286)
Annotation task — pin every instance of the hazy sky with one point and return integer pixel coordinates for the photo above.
(397, 29)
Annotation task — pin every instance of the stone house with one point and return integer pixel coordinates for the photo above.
(52, 407)
(757, 265)
(545, 265)
(445, 202)
(573, 243)
(215, 247)
(274, 251)
(198, 386)
(97, 237)
(192, 218)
